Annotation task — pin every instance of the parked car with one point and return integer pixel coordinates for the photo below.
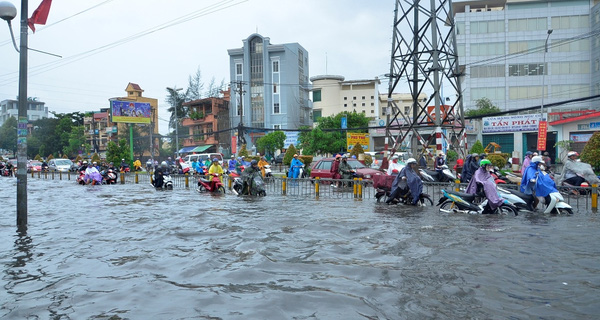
(279, 158)
(34, 166)
(62, 165)
(322, 169)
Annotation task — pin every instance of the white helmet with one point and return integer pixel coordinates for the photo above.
(411, 160)
(572, 153)
(537, 159)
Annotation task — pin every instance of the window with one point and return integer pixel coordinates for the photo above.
(487, 26)
(372, 111)
(372, 97)
(238, 69)
(345, 98)
(363, 104)
(487, 49)
(275, 88)
(276, 107)
(363, 97)
(571, 67)
(460, 27)
(493, 93)
(372, 104)
(525, 92)
(316, 95)
(353, 98)
(527, 24)
(317, 114)
(277, 126)
(364, 112)
(491, 71)
(275, 65)
(521, 46)
(570, 22)
(345, 105)
(527, 69)
(575, 46)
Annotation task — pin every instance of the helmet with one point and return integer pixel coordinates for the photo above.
(411, 160)
(485, 162)
(84, 162)
(337, 156)
(528, 153)
(475, 155)
(353, 157)
(252, 163)
(163, 164)
(215, 160)
(344, 157)
(572, 153)
(232, 156)
(95, 162)
(483, 155)
(295, 155)
(394, 157)
(536, 159)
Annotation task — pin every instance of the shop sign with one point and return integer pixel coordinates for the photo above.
(353, 138)
(584, 126)
(526, 122)
(580, 137)
(541, 145)
(594, 125)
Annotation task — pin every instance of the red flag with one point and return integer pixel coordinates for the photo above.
(40, 15)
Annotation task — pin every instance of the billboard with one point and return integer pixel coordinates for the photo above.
(525, 122)
(130, 112)
(291, 137)
(353, 138)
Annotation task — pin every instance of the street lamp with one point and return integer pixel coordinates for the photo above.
(9, 12)
(543, 124)
(175, 90)
(544, 70)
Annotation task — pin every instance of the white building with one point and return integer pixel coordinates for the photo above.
(502, 50)
(332, 95)
(10, 108)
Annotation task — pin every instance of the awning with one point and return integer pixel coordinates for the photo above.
(200, 148)
(186, 149)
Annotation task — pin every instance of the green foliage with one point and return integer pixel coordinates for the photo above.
(306, 159)
(368, 160)
(565, 146)
(354, 120)
(451, 155)
(289, 155)
(195, 115)
(75, 141)
(50, 157)
(591, 151)
(497, 160)
(318, 141)
(243, 151)
(270, 142)
(116, 152)
(477, 147)
(356, 150)
(38, 157)
(484, 106)
(8, 135)
(95, 157)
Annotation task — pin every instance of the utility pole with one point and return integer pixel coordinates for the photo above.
(241, 139)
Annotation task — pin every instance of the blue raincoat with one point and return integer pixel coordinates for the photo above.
(544, 185)
(295, 168)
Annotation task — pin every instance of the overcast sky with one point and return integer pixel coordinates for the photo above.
(105, 44)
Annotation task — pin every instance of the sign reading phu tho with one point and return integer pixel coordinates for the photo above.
(525, 122)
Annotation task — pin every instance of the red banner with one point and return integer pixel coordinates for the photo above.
(543, 130)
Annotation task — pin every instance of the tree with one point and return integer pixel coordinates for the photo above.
(243, 152)
(477, 147)
(484, 106)
(8, 135)
(195, 86)
(317, 141)
(116, 152)
(356, 150)
(354, 120)
(289, 155)
(270, 142)
(75, 142)
(591, 151)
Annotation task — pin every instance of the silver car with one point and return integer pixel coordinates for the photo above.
(62, 165)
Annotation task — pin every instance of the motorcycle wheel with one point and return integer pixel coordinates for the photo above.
(169, 187)
(381, 196)
(221, 190)
(426, 201)
(447, 205)
(506, 210)
(262, 194)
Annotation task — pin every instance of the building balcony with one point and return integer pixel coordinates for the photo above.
(196, 141)
(190, 122)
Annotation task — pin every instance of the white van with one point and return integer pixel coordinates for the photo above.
(202, 157)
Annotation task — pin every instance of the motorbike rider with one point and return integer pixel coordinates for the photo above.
(335, 168)
(92, 175)
(9, 168)
(346, 170)
(569, 174)
(159, 173)
(536, 181)
(407, 180)
(84, 166)
(124, 166)
(394, 167)
(439, 162)
(149, 165)
(483, 177)
(526, 161)
(261, 165)
(295, 166)
(137, 165)
(248, 176)
(231, 164)
(216, 169)
(196, 167)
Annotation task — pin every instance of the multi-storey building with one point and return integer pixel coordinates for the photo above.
(269, 86)
(207, 123)
(10, 108)
(528, 54)
(332, 95)
(99, 130)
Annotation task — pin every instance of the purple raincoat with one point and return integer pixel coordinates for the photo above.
(489, 187)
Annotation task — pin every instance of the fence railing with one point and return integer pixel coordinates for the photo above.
(579, 197)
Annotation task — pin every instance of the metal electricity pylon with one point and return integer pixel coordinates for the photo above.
(424, 56)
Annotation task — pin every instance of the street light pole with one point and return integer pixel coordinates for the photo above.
(544, 72)
(174, 90)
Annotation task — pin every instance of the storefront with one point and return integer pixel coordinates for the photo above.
(514, 134)
(574, 126)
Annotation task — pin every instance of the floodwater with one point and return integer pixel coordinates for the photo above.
(130, 252)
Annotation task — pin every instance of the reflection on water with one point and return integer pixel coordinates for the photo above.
(129, 252)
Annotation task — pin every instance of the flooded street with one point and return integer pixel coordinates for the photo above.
(130, 252)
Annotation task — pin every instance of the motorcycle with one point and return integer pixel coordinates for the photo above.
(257, 187)
(167, 182)
(459, 202)
(81, 178)
(268, 171)
(498, 177)
(440, 176)
(426, 176)
(383, 186)
(109, 176)
(521, 200)
(213, 185)
(555, 203)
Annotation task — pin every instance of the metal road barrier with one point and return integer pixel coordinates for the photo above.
(578, 197)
